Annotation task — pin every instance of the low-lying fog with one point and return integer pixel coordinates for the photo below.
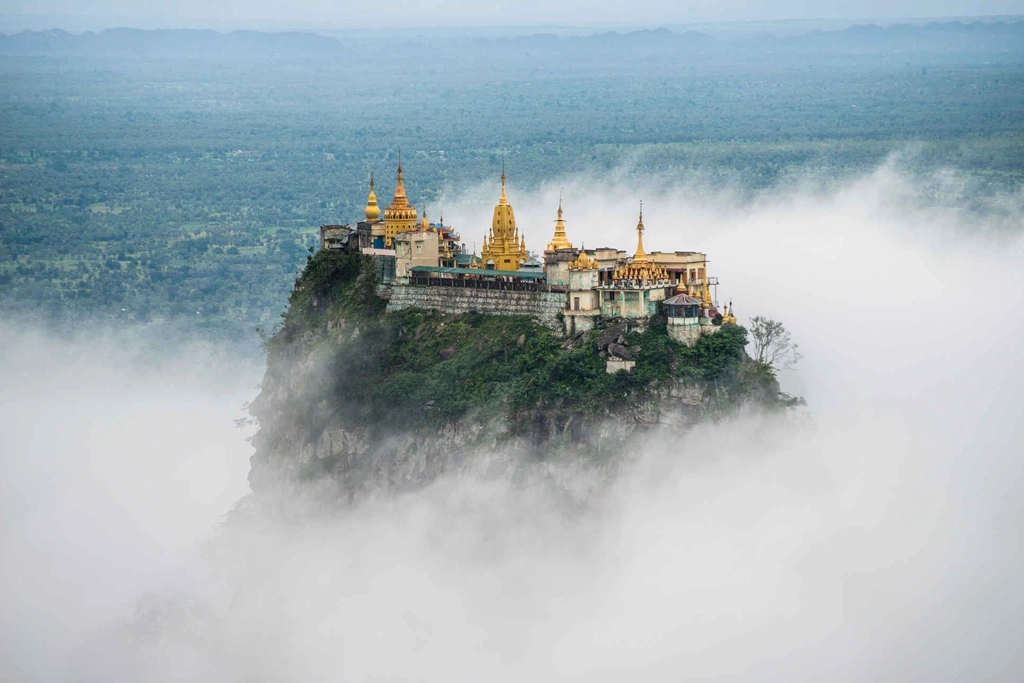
(880, 543)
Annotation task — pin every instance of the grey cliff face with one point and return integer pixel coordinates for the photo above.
(362, 458)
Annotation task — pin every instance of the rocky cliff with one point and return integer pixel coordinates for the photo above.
(357, 399)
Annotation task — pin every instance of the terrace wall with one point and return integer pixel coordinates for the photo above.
(542, 306)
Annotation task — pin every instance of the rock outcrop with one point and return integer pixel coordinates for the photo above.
(359, 399)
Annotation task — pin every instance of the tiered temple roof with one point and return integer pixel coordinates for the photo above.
(560, 240)
(640, 271)
(504, 248)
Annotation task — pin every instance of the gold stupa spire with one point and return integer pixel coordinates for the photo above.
(640, 256)
(559, 241)
(504, 247)
(503, 200)
(400, 201)
(372, 209)
(399, 216)
(641, 270)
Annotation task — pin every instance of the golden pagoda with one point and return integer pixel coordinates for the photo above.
(728, 318)
(400, 216)
(582, 262)
(372, 210)
(559, 241)
(640, 270)
(504, 248)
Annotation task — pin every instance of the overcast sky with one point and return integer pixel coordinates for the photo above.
(328, 14)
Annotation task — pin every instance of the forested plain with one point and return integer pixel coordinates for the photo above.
(182, 175)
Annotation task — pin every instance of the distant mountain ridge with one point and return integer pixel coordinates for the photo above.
(934, 37)
(164, 41)
(943, 35)
(937, 38)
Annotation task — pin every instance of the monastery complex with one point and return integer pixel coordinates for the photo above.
(424, 264)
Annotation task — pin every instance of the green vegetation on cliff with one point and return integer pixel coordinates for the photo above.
(363, 367)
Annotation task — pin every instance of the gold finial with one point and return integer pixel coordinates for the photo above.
(400, 186)
(640, 256)
(372, 210)
(504, 198)
(400, 200)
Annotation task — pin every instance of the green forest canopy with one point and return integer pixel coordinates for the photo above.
(182, 175)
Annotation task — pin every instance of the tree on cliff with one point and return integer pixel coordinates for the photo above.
(773, 344)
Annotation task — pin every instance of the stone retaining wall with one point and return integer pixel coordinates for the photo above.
(689, 332)
(577, 322)
(543, 307)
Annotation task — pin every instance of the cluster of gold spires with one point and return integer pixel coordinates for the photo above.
(504, 248)
(728, 317)
(582, 262)
(399, 216)
(640, 269)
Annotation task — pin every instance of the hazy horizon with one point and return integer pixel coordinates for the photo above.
(523, 15)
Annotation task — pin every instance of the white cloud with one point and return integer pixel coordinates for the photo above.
(879, 542)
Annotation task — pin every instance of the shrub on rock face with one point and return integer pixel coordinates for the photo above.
(717, 356)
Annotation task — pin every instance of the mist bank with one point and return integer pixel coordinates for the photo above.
(880, 542)
(119, 454)
(748, 552)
